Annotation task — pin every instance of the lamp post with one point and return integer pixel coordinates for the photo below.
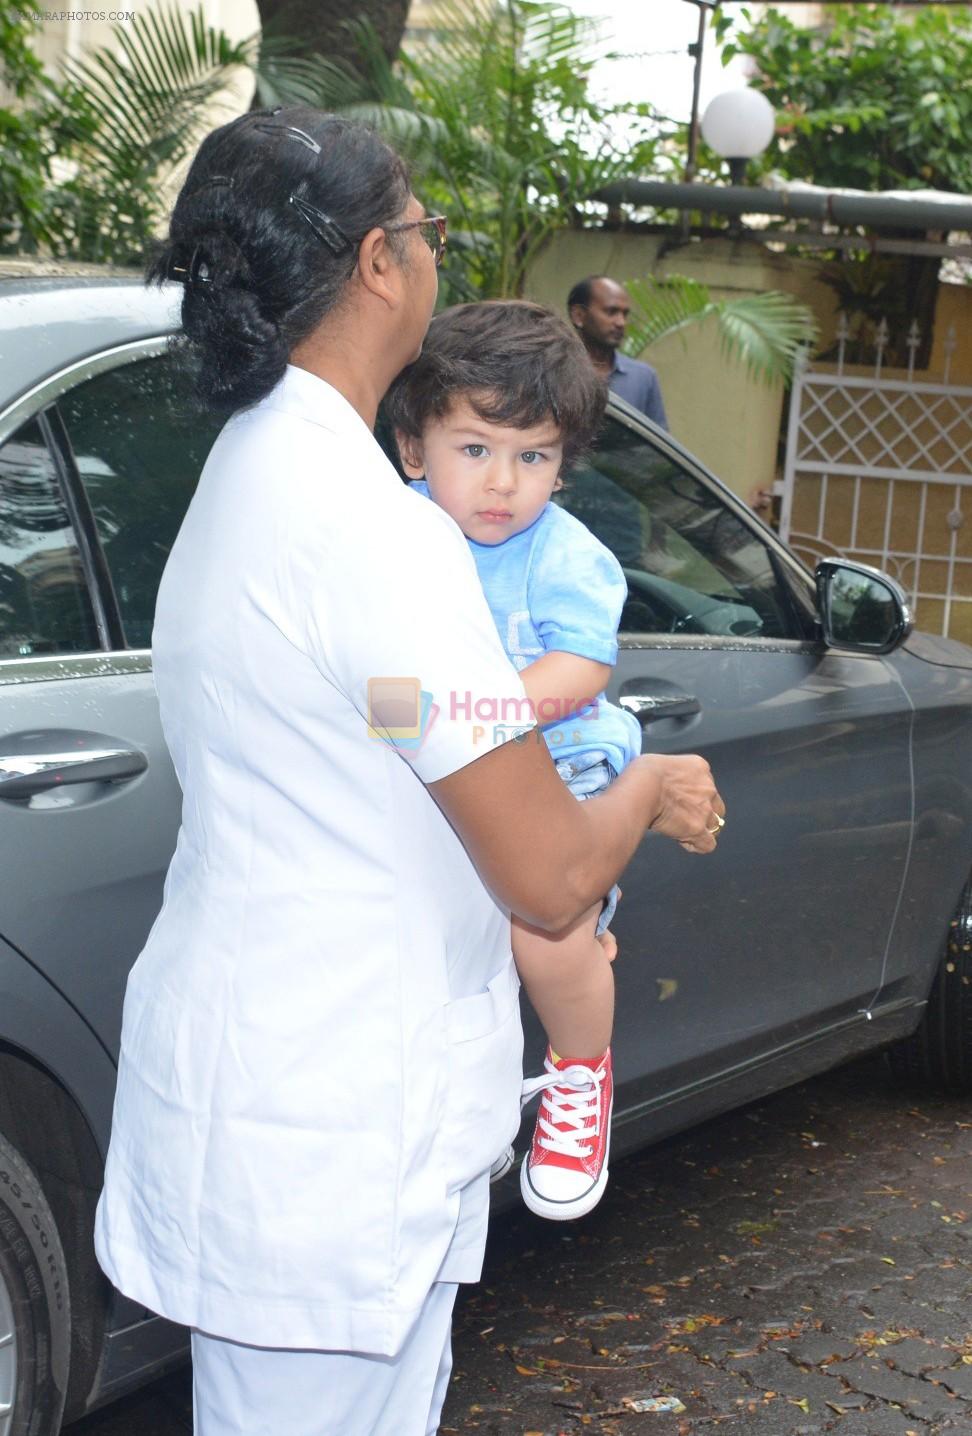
(696, 50)
(738, 124)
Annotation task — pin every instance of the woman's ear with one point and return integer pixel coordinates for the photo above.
(376, 269)
(410, 453)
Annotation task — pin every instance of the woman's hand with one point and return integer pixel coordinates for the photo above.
(689, 805)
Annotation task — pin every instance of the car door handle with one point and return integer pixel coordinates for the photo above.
(36, 762)
(649, 707)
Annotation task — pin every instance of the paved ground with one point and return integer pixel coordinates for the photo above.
(801, 1266)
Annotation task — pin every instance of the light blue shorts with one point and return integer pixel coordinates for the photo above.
(587, 774)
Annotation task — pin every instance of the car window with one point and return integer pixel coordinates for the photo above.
(45, 606)
(692, 565)
(139, 445)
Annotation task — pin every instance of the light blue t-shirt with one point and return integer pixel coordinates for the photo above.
(555, 588)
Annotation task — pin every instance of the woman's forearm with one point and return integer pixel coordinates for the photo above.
(548, 857)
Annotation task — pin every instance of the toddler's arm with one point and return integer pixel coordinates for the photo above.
(558, 684)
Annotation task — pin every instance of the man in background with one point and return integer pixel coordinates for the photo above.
(598, 308)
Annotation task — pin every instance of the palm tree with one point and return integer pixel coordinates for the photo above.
(765, 332)
(320, 24)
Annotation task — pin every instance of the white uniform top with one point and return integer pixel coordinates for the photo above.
(321, 1041)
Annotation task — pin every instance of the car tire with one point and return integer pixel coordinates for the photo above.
(939, 1053)
(35, 1312)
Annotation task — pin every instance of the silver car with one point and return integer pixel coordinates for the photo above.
(835, 917)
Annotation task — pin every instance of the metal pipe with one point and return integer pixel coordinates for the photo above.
(872, 209)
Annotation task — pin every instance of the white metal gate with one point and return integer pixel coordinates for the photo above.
(880, 469)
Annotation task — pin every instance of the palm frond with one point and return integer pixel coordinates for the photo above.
(765, 332)
(414, 134)
(373, 93)
(132, 110)
(285, 78)
(148, 96)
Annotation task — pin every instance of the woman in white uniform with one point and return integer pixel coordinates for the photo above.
(321, 1045)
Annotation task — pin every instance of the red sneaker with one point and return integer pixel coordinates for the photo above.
(567, 1169)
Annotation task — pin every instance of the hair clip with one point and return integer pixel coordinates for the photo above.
(289, 132)
(322, 224)
(197, 271)
(214, 182)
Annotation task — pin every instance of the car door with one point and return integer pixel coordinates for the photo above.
(92, 492)
(782, 933)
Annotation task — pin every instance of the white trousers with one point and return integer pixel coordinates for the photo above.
(260, 1391)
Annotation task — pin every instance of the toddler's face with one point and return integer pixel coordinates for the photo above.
(493, 480)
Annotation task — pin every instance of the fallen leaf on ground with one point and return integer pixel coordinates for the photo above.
(696, 1323)
(652, 1403)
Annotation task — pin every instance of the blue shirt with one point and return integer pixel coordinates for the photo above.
(638, 383)
(555, 588)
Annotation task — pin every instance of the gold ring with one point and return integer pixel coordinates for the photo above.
(720, 824)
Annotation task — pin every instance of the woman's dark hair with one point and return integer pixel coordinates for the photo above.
(514, 362)
(265, 236)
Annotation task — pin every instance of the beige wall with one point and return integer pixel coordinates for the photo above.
(729, 419)
(954, 308)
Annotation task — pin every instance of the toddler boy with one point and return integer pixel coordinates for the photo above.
(501, 401)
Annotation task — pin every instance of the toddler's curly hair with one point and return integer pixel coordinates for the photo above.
(514, 362)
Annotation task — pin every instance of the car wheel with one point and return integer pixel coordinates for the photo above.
(35, 1315)
(939, 1053)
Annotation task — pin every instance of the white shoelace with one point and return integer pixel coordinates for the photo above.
(572, 1109)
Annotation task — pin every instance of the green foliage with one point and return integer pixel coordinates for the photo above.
(130, 112)
(26, 145)
(763, 331)
(82, 158)
(498, 122)
(875, 99)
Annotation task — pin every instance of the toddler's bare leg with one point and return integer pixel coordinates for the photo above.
(568, 979)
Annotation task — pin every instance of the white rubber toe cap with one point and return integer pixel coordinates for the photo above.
(558, 1194)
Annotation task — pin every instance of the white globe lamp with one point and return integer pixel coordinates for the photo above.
(738, 124)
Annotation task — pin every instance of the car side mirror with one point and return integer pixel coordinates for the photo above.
(860, 608)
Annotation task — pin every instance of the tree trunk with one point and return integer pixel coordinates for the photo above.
(320, 24)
